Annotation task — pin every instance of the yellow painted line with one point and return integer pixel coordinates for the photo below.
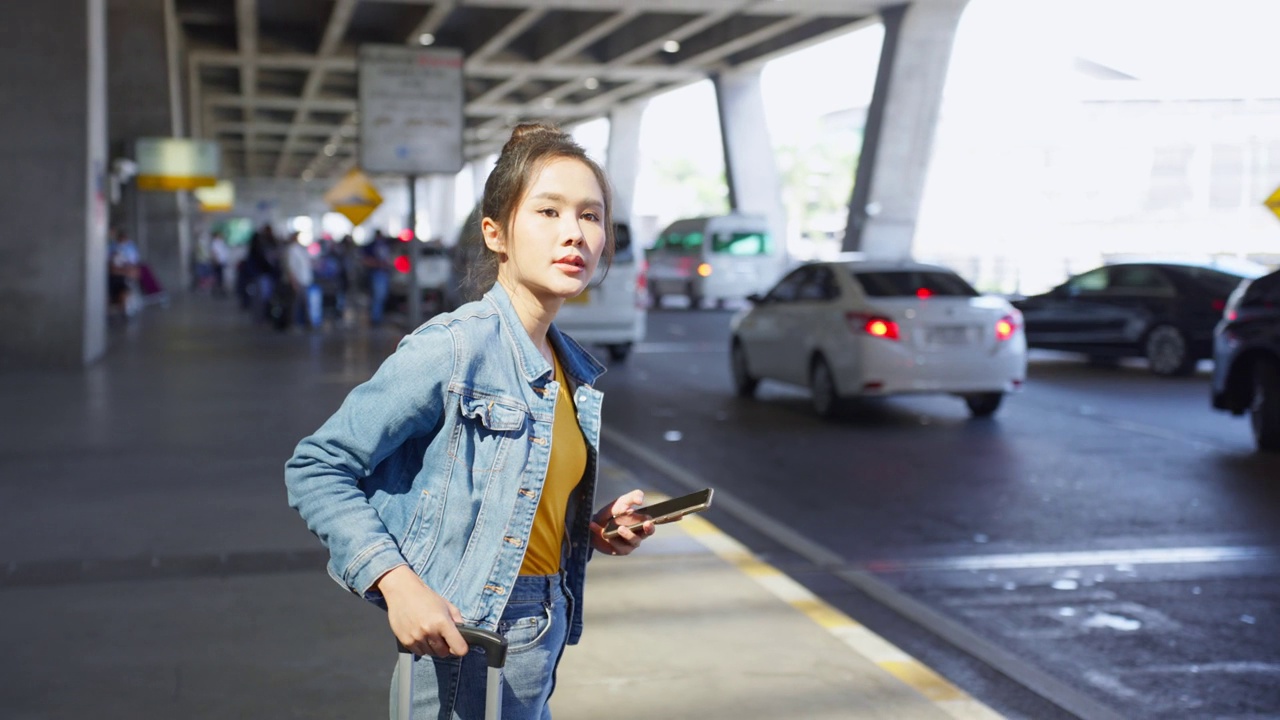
(888, 657)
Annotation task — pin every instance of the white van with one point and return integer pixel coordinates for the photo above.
(611, 312)
(725, 257)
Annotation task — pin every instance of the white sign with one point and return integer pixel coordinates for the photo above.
(411, 113)
(176, 163)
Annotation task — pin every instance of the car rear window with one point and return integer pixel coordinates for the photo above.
(909, 283)
(740, 243)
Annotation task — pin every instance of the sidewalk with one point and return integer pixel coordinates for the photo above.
(151, 567)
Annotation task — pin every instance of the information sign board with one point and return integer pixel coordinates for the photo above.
(411, 109)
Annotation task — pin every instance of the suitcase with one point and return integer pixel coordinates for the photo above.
(495, 652)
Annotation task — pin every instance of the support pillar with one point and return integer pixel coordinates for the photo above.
(898, 139)
(623, 156)
(53, 252)
(750, 165)
(143, 79)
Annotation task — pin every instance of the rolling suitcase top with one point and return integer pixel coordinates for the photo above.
(495, 652)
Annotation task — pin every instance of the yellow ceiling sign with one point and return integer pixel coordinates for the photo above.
(354, 196)
(1273, 202)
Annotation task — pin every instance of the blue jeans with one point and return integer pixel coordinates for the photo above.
(379, 288)
(535, 623)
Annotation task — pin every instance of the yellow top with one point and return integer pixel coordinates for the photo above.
(564, 471)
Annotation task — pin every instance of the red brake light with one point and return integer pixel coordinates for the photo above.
(872, 325)
(406, 235)
(1007, 326)
(924, 293)
(402, 264)
(1219, 304)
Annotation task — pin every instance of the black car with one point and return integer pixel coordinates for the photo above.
(1163, 311)
(1246, 358)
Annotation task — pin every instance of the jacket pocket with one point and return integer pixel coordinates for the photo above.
(494, 414)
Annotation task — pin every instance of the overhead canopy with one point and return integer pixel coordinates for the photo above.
(274, 81)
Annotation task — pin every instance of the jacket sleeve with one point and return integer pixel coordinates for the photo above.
(404, 399)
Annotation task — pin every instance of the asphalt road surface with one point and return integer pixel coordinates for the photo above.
(1106, 546)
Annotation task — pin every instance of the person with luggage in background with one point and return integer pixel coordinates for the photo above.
(456, 485)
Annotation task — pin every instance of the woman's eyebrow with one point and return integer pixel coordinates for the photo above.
(557, 197)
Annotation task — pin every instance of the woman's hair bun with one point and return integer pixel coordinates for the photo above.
(526, 132)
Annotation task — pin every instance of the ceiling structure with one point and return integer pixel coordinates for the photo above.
(274, 81)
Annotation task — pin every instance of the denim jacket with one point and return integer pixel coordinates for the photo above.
(438, 461)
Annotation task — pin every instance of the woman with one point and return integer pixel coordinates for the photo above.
(456, 485)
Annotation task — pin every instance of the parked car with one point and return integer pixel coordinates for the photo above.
(725, 257)
(860, 328)
(1162, 311)
(1246, 358)
(435, 277)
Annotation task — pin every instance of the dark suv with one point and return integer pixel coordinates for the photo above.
(1246, 358)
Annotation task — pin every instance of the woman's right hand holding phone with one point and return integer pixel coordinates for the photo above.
(423, 621)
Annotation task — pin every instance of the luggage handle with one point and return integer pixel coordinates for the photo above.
(495, 652)
(495, 646)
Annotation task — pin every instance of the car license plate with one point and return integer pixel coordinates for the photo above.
(581, 298)
(948, 335)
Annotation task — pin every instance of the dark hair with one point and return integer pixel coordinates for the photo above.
(530, 148)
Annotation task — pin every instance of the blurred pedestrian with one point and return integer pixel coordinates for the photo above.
(219, 256)
(378, 259)
(456, 485)
(306, 297)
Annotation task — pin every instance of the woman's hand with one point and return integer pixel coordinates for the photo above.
(424, 622)
(627, 540)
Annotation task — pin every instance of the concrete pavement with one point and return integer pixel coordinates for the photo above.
(150, 567)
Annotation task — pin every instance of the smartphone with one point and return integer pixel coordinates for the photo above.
(663, 512)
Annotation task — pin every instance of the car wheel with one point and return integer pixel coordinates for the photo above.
(1167, 351)
(743, 382)
(618, 351)
(655, 297)
(1264, 412)
(826, 400)
(695, 300)
(983, 404)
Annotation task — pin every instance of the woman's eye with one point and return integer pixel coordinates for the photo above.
(549, 212)
(591, 216)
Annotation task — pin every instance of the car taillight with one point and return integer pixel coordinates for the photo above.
(402, 264)
(1007, 326)
(642, 286)
(1219, 304)
(873, 325)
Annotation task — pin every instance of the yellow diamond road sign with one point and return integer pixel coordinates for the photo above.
(354, 196)
(1273, 202)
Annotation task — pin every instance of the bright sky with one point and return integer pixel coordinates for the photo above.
(1009, 50)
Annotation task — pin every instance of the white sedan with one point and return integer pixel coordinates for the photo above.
(862, 328)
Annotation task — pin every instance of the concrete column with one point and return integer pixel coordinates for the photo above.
(438, 200)
(750, 166)
(143, 104)
(623, 156)
(53, 250)
(898, 139)
(480, 170)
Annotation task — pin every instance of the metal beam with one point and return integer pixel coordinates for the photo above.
(339, 19)
(247, 45)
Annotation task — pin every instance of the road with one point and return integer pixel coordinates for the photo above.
(1105, 546)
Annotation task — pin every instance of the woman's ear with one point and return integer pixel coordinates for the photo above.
(492, 235)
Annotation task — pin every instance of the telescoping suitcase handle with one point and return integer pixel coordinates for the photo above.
(495, 653)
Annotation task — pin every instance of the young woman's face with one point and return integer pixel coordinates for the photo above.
(557, 232)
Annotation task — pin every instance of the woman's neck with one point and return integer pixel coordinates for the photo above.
(535, 314)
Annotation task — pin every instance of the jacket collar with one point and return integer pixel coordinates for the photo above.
(577, 362)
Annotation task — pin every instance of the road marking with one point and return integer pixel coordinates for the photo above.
(1014, 667)
(1137, 556)
(949, 698)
